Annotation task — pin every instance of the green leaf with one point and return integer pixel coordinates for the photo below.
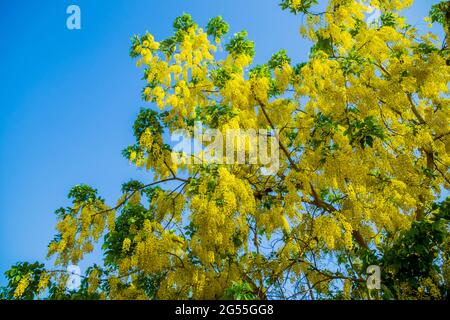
(240, 45)
(279, 59)
(183, 22)
(216, 27)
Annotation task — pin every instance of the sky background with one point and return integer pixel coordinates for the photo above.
(68, 98)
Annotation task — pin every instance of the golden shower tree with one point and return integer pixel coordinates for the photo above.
(364, 139)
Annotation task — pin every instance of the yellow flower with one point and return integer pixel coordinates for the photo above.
(126, 245)
(43, 281)
(22, 286)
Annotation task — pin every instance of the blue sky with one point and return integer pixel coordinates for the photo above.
(68, 98)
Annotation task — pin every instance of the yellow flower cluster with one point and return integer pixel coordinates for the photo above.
(22, 286)
(79, 230)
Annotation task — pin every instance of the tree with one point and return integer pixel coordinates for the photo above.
(363, 138)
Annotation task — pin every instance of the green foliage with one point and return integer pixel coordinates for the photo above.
(131, 215)
(298, 68)
(82, 193)
(260, 71)
(126, 153)
(132, 186)
(168, 46)
(79, 194)
(240, 45)
(150, 283)
(240, 291)
(183, 22)
(279, 59)
(324, 127)
(438, 12)
(426, 49)
(415, 255)
(305, 5)
(135, 41)
(220, 76)
(322, 46)
(352, 63)
(264, 71)
(181, 25)
(17, 272)
(388, 19)
(364, 132)
(215, 115)
(216, 27)
(147, 118)
(55, 292)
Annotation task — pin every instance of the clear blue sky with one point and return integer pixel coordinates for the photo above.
(68, 98)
